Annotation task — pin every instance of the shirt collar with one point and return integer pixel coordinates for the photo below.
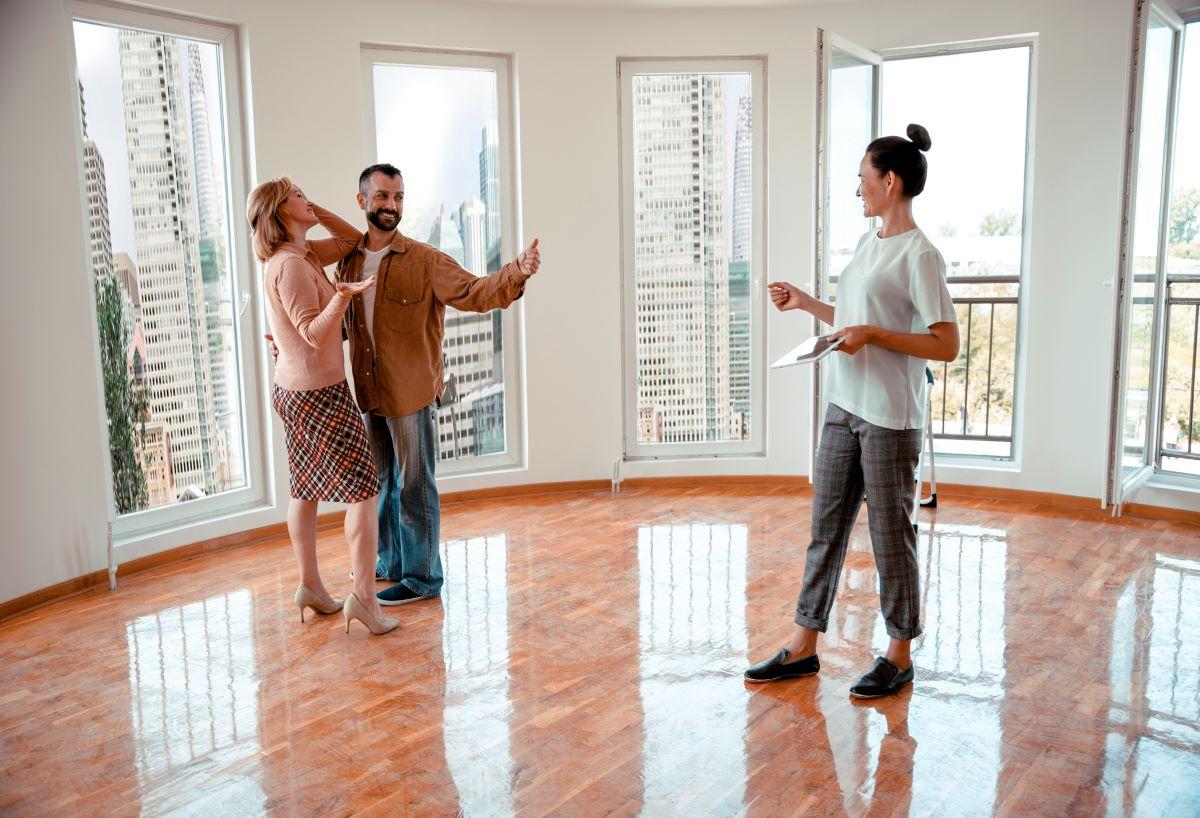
(399, 243)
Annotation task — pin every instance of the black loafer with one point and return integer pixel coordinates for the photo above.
(399, 594)
(778, 667)
(882, 680)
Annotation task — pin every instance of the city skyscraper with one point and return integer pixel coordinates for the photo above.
(468, 347)
(681, 258)
(96, 187)
(489, 192)
(218, 302)
(739, 271)
(470, 218)
(166, 237)
(208, 202)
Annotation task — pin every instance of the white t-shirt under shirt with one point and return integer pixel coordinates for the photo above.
(899, 284)
(370, 268)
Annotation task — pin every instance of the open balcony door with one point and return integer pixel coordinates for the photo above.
(847, 120)
(1139, 340)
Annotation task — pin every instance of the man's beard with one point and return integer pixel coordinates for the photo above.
(384, 219)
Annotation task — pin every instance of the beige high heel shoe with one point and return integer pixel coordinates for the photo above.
(307, 599)
(354, 609)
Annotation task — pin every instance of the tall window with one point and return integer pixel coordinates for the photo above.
(692, 172)
(1155, 428)
(166, 256)
(978, 228)
(1179, 449)
(458, 197)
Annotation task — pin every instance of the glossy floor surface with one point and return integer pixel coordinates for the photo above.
(586, 659)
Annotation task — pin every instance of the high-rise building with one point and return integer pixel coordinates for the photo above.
(739, 272)
(470, 220)
(681, 258)
(743, 204)
(444, 236)
(166, 237)
(218, 302)
(96, 186)
(469, 352)
(209, 203)
(489, 193)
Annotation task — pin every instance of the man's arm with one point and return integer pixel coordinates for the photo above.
(461, 289)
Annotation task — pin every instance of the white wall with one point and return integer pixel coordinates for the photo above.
(306, 111)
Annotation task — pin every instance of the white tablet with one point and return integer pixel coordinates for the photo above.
(814, 349)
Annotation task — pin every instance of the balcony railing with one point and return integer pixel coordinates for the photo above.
(1179, 423)
(973, 395)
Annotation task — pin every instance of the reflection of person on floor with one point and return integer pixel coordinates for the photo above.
(395, 329)
(892, 793)
(893, 314)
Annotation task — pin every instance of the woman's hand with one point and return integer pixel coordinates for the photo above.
(854, 338)
(348, 290)
(786, 296)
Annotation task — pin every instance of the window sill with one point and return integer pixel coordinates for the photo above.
(960, 461)
(1167, 481)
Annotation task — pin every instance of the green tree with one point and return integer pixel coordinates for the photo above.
(125, 403)
(999, 223)
(1185, 216)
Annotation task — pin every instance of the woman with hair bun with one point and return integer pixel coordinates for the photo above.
(893, 314)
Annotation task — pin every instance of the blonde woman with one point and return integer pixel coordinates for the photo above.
(328, 454)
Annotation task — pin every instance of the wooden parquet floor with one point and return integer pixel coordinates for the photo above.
(585, 659)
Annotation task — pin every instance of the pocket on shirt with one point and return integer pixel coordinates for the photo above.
(404, 297)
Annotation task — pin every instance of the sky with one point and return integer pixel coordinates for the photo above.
(429, 123)
(100, 71)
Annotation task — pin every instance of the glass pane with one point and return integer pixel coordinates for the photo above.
(452, 200)
(154, 158)
(693, 222)
(1181, 418)
(851, 119)
(1147, 221)
(977, 228)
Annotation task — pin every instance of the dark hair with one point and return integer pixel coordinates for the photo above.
(364, 178)
(904, 157)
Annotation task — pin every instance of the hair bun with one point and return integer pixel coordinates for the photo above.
(919, 136)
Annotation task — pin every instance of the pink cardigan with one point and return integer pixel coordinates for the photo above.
(304, 309)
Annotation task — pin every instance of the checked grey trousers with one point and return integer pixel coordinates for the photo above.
(854, 456)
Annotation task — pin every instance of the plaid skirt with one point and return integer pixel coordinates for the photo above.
(328, 454)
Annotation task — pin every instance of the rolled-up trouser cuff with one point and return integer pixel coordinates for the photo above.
(903, 634)
(808, 622)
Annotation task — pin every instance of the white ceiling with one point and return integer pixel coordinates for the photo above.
(667, 4)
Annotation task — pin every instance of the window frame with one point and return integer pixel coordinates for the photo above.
(1030, 41)
(245, 284)
(512, 321)
(627, 69)
(1120, 484)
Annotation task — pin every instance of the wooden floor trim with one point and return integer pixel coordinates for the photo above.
(96, 579)
(793, 482)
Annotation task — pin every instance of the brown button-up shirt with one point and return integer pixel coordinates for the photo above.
(401, 371)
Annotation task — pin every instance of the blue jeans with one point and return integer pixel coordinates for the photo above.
(410, 514)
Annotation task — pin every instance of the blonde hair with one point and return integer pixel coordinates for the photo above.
(262, 211)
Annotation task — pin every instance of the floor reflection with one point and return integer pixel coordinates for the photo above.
(475, 645)
(586, 659)
(194, 685)
(692, 643)
(1153, 748)
(955, 707)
